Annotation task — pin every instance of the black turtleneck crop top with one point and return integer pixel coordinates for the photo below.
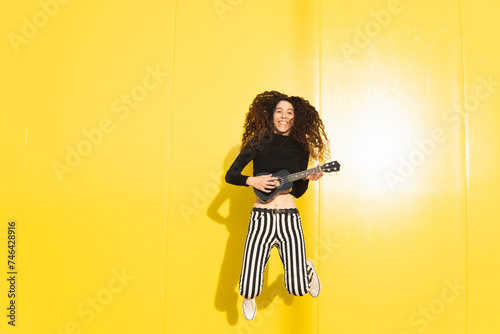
(271, 155)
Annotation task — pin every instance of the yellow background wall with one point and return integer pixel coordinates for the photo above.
(119, 120)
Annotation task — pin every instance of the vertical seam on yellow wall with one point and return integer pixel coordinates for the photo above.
(169, 161)
(466, 146)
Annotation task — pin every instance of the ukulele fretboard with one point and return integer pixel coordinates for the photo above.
(300, 175)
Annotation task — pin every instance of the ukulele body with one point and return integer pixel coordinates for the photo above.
(285, 179)
(280, 187)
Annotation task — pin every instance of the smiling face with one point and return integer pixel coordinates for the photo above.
(283, 118)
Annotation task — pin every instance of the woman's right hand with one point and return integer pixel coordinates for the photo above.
(263, 183)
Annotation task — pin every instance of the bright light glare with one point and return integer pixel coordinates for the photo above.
(379, 138)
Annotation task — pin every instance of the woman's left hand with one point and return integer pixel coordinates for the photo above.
(314, 176)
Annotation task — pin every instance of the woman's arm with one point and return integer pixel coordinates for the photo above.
(262, 182)
(234, 176)
(300, 186)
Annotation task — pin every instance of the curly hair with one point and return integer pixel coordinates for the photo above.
(307, 131)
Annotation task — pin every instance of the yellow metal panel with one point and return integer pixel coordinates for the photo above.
(221, 63)
(92, 233)
(392, 240)
(16, 60)
(481, 34)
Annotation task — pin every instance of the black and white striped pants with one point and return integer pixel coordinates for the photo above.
(281, 228)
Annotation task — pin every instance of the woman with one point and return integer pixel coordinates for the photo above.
(280, 132)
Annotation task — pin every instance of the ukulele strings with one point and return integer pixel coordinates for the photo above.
(292, 177)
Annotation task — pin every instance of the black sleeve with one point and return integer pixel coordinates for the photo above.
(233, 175)
(300, 186)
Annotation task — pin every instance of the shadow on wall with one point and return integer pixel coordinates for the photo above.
(240, 204)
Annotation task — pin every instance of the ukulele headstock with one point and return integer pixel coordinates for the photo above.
(332, 166)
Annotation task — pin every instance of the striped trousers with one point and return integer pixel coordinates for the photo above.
(268, 228)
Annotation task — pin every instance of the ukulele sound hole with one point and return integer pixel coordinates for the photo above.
(278, 183)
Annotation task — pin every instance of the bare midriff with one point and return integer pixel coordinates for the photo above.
(282, 200)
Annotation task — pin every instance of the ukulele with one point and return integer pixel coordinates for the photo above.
(285, 179)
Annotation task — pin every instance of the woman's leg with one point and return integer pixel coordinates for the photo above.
(258, 244)
(293, 254)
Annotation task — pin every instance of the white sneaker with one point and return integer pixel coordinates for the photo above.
(315, 283)
(249, 308)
